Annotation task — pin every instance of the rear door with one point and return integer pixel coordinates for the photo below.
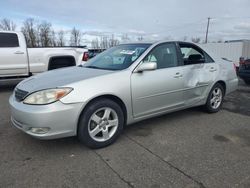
(199, 72)
(159, 90)
(13, 55)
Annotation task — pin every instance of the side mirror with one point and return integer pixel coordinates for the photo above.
(149, 66)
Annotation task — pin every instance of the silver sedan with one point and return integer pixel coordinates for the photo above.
(122, 85)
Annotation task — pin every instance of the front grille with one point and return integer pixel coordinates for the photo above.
(20, 94)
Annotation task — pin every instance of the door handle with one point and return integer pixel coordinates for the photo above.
(177, 75)
(212, 69)
(19, 52)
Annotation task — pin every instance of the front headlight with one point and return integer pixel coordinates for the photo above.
(47, 96)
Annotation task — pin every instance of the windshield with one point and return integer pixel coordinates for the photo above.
(117, 58)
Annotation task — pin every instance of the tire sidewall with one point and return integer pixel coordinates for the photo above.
(83, 133)
(208, 103)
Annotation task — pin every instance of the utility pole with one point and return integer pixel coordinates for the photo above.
(208, 21)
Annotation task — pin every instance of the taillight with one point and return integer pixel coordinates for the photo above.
(242, 62)
(235, 68)
(85, 56)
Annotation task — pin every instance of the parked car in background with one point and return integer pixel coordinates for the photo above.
(16, 60)
(94, 52)
(244, 71)
(120, 86)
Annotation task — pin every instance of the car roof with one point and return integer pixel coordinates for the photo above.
(157, 42)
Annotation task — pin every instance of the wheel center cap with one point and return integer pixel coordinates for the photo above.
(104, 123)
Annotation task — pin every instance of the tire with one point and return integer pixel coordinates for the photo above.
(215, 99)
(100, 124)
(247, 82)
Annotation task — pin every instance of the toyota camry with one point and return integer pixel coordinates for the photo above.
(122, 85)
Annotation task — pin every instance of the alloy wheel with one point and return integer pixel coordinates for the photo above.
(216, 98)
(103, 124)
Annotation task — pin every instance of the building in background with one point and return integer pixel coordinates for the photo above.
(232, 50)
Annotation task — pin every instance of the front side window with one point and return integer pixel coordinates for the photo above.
(8, 40)
(117, 58)
(164, 55)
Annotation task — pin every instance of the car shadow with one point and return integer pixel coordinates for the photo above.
(142, 128)
(238, 101)
(160, 120)
(68, 143)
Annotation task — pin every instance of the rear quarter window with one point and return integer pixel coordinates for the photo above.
(208, 58)
(8, 40)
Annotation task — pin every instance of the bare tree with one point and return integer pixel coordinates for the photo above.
(220, 41)
(45, 33)
(60, 38)
(53, 38)
(30, 32)
(196, 39)
(125, 37)
(140, 38)
(76, 37)
(7, 25)
(104, 42)
(113, 41)
(185, 38)
(95, 43)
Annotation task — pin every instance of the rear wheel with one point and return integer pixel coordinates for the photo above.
(215, 98)
(101, 123)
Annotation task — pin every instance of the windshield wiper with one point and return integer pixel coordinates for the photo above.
(92, 67)
(95, 67)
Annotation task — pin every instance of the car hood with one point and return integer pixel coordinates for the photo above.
(59, 78)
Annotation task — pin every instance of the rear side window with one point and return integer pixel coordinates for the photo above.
(8, 40)
(191, 54)
(208, 58)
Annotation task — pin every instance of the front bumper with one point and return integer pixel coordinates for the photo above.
(61, 119)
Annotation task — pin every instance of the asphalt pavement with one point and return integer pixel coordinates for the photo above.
(188, 149)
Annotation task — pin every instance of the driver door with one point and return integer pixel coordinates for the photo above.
(158, 90)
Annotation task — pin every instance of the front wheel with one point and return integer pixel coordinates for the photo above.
(215, 99)
(101, 123)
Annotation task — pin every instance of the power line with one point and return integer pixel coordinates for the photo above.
(232, 17)
(199, 22)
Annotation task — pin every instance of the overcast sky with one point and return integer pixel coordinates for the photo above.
(153, 19)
